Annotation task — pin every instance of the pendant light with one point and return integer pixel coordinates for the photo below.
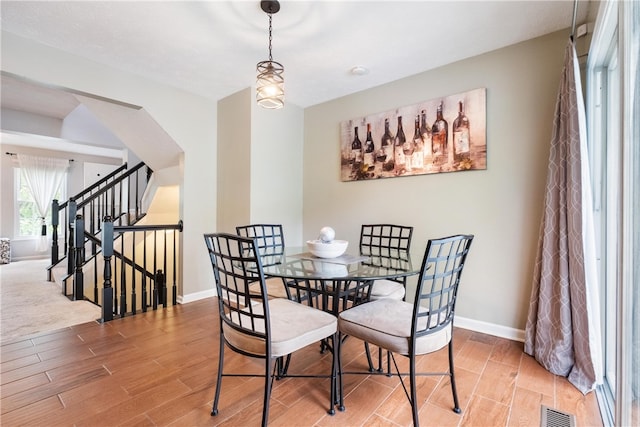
(270, 81)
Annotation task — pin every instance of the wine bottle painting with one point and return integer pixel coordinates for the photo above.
(445, 134)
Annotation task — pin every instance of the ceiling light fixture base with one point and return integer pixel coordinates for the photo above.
(270, 6)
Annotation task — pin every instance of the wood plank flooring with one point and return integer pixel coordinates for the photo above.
(159, 369)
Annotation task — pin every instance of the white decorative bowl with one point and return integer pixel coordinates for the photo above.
(327, 250)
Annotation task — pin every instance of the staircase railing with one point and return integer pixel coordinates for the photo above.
(118, 195)
(136, 263)
(137, 260)
(129, 253)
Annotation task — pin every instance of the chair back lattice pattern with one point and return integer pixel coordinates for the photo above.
(438, 282)
(235, 267)
(385, 239)
(254, 326)
(269, 239)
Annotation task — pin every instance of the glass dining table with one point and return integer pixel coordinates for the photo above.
(334, 284)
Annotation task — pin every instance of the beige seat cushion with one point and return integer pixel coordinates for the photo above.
(387, 324)
(275, 288)
(293, 326)
(386, 289)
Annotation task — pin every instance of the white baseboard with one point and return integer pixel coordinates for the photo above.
(489, 328)
(196, 296)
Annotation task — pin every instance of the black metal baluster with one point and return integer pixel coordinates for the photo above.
(138, 196)
(112, 191)
(90, 224)
(115, 283)
(55, 217)
(155, 269)
(111, 206)
(157, 289)
(102, 211)
(164, 266)
(70, 224)
(133, 274)
(95, 279)
(145, 297)
(125, 199)
(175, 287)
(106, 205)
(137, 207)
(123, 279)
(122, 207)
(102, 208)
(65, 221)
(99, 212)
(133, 184)
(78, 277)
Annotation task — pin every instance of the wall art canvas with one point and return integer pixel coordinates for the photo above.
(446, 134)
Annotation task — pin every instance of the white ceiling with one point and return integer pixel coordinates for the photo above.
(211, 47)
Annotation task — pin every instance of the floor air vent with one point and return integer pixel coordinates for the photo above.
(554, 418)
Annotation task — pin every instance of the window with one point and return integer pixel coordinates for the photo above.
(29, 222)
(613, 107)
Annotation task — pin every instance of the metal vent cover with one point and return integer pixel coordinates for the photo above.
(554, 418)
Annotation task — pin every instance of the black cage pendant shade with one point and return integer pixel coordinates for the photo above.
(270, 81)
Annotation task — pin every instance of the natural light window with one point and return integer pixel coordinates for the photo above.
(29, 222)
(614, 103)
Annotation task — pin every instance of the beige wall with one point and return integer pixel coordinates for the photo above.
(276, 168)
(259, 175)
(502, 205)
(188, 119)
(234, 152)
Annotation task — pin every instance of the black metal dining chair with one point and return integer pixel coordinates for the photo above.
(385, 240)
(269, 237)
(421, 327)
(261, 327)
(270, 245)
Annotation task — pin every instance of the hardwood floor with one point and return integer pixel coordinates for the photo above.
(159, 368)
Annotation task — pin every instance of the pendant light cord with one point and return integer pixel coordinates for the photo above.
(270, 57)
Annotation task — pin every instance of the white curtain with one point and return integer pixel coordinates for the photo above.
(44, 176)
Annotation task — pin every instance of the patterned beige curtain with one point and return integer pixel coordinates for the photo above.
(562, 330)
